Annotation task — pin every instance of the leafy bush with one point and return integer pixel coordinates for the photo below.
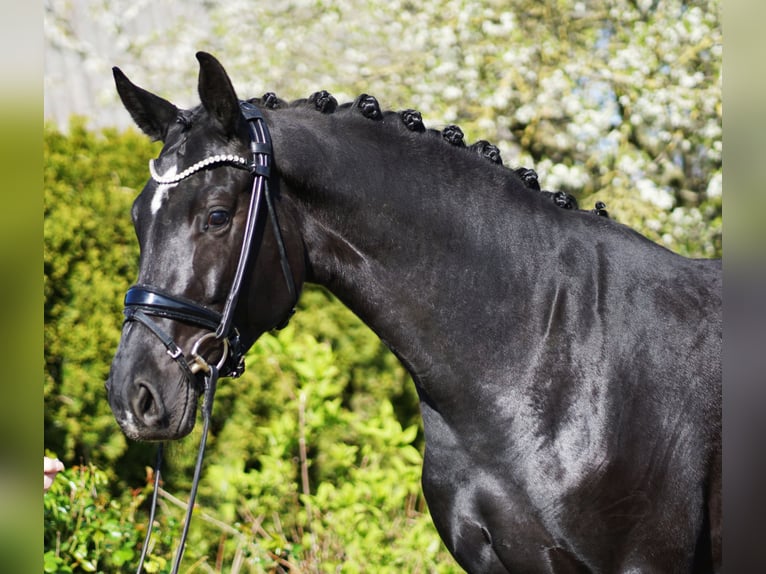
(349, 479)
(90, 258)
(328, 488)
(85, 529)
(351, 496)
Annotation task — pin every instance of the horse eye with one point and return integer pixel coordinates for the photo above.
(217, 218)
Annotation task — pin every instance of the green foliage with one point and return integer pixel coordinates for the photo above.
(86, 530)
(352, 477)
(314, 455)
(327, 488)
(90, 258)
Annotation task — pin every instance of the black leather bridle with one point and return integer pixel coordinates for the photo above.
(142, 302)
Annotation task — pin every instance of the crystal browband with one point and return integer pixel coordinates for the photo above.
(237, 161)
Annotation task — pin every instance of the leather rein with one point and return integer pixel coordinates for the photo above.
(142, 302)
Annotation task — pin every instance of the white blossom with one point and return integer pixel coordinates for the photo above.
(654, 194)
(628, 89)
(715, 187)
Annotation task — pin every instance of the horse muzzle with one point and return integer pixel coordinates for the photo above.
(150, 397)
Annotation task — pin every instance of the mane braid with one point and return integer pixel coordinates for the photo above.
(324, 101)
(451, 134)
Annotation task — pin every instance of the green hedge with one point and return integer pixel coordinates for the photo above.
(353, 500)
(90, 258)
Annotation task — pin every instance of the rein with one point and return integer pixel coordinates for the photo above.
(143, 302)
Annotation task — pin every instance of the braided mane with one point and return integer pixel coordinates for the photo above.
(368, 106)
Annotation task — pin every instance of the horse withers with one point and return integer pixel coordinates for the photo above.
(568, 369)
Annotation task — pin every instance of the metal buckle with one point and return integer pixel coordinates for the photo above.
(175, 352)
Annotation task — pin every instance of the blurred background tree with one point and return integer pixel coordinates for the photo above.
(616, 101)
(612, 100)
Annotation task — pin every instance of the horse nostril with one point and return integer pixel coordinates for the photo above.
(147, 405)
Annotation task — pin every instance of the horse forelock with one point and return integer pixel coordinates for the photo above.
(188, 142)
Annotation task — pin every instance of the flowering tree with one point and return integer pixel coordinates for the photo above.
(613, 100)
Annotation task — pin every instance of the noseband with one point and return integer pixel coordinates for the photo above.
(142, 302)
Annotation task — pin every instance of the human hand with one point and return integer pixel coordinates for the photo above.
(51, 467)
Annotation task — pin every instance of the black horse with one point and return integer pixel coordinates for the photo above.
(568, 369)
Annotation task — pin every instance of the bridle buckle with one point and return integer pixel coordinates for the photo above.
(175, 353)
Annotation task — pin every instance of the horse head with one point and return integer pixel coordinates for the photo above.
(204, 235)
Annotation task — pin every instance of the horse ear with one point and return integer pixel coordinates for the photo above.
(151, 113)
(217, 93)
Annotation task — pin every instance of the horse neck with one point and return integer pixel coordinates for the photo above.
(419, 239)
